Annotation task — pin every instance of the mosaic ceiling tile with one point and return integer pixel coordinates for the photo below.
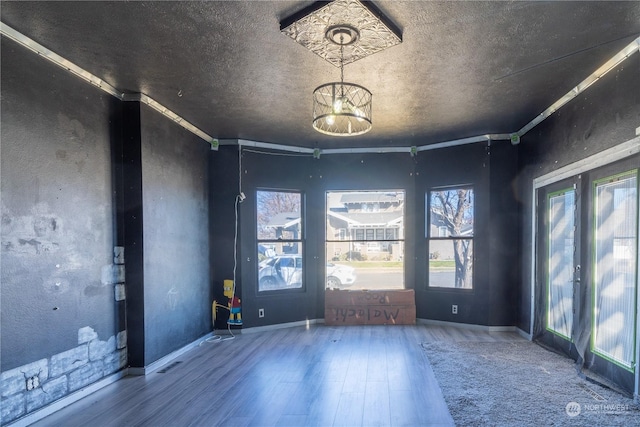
(310, 29)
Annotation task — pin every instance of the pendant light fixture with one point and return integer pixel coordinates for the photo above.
(339, 108)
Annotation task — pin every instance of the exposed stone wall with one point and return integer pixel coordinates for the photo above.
(30, 387)
(34, 385)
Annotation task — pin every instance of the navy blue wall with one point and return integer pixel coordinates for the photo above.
(175, 200)
(504, 235)
(262, 171)
(223, 182)
(490, 168)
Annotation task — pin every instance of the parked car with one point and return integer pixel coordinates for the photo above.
(282, 271)
(285, 271)
(339, 275)
(266, 251)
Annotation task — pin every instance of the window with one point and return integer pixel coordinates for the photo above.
(615, 267)
(370, 256)
(369, 234)
(279, 245)
(450, 234)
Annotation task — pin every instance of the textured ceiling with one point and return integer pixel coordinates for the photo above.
(463, 68)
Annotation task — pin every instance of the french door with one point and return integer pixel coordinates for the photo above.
(559, 267)
(614, 266)
(586, 295)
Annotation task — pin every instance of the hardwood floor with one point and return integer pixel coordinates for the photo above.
(320, 376)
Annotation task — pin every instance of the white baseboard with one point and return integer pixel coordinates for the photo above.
(138, 371)
(472, 327)
(526, 335)
(67, 400)
(306, 323)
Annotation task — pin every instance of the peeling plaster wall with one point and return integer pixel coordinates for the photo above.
(62, 278)
(57, 251)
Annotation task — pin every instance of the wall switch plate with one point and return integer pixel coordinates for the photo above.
(454, 309)
(261, 312)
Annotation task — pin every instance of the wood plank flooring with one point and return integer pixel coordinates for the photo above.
(316, 376)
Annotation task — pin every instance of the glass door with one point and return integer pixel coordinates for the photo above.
(614, 267)
(558, 264)
(586, 287)
(560, 259)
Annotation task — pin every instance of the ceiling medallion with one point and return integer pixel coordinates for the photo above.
(310, 27)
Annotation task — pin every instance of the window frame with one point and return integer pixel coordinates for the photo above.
(276, 241)
(368, 238)
(437, 236)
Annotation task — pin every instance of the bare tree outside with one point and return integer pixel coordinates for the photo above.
(270, 205)
(451, 220)
(279, 240)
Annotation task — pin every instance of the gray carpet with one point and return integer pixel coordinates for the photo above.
(521, 384)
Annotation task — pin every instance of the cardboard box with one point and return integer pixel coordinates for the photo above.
(395, 307)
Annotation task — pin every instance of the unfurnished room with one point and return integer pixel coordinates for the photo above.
(319, 213)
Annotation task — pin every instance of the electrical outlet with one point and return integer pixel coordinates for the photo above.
(261, 312)
(454, 309)
(33, 382)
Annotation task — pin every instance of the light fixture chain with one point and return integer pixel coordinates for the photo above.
(342, 65)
